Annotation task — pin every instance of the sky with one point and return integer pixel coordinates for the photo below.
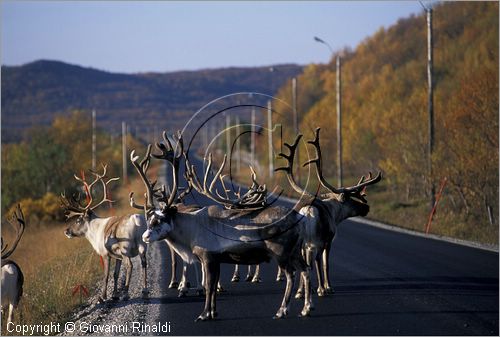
(161, 36)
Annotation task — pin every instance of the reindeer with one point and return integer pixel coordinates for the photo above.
(117, 237)
(12, 276)
(214, 235)
(323, 212)
(168, 154)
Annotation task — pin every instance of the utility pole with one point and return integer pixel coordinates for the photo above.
(295, 119)
(431, 100)
(228, 135)
(339, 122)
(124, 151)
(270, 138)
(252, 145)
(238, 149)
(94, 146)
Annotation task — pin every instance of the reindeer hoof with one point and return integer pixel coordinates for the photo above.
(115, 297)
(101, 300)
(182, 294)
(145, 294)
(236, 278)
(173, 285)
(125, 297)
(248, 278)
(299, 295)
(205, 316)
(221, 290)
(214, 314)
(282, 313)
(305, 313)
(280, 278)
(329, 290)
(321, 292)
(256, 280)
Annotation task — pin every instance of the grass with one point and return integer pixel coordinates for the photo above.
(388, 207)
(53, 264)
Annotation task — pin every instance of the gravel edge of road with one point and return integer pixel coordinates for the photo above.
(145, 312)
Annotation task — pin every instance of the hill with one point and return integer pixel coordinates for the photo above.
(385, 117)
(33, 94)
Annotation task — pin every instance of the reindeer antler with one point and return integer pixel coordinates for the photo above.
(357, 190)
(254, 198)
(289, 168)
(168, 154)
(73, 206)
(18, 223)
(142, 168)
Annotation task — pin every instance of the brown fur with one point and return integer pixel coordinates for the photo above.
(113, 224)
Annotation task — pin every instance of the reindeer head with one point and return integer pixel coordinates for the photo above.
(159, 215)
(351, 198)
(73, 207)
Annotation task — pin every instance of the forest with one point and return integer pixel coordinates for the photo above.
(384, 123)
(385, 118)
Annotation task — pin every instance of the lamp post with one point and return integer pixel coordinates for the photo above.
(339, 111)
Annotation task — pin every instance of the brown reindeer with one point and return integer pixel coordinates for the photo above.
(324, 212)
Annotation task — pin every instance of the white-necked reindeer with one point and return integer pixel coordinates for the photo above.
(12, 276)
(323, 212)
(117, 237)
(214, 235)
(168, 154)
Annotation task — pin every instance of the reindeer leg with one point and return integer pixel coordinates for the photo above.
(210, 278)
(213, 310)
(256, 276)
(321, 290)
(236, 273)
(285, 304)
(183, 287)
(106, 261)
(130, 267)
(199, 286)
(279, 275)
(326, 268)
(306, 310)
(220, 288)
(300, 288)
(116, 274)
(173, 280)
(144, 265)
(249, 276)
(10, 317)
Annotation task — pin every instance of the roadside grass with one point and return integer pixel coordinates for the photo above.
(386, 206)
(53, 264)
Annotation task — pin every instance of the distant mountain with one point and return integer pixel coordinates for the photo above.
(32, 94)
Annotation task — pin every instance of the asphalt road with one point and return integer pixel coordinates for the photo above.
(385, 282)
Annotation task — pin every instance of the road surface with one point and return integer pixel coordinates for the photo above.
(385, 282)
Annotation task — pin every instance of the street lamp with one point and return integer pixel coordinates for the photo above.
(339, 112)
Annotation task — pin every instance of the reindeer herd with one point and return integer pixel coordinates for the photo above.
(240, 229)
